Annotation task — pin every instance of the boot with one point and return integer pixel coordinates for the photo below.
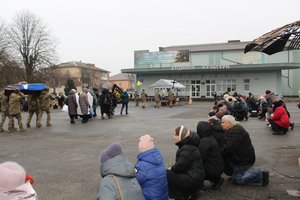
(265, 180)
(10, 130)
(11, 127)
(21, 129)
(216, 185)
(292, 125)
(49, 124)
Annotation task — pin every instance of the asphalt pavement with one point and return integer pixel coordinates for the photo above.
(63, 158)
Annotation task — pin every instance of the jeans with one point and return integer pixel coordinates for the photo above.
(126, 107)
(241, 175)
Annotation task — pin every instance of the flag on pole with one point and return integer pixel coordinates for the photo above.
(140, 82)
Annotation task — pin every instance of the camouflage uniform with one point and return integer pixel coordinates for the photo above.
(33, 107)
(44, 101)
(14, 110)
(3, 110)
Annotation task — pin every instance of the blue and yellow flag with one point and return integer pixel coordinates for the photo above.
(140, 82)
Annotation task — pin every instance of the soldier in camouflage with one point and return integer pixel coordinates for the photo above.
(3, 110)
(33, 107)
(44, 103)
(14, 110)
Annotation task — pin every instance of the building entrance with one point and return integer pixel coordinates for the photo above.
(210, 88)
(195, 89)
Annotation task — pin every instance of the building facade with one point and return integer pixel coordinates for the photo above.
(220, 67)
(83, 75)
(124, 81)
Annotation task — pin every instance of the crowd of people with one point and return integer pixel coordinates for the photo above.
(159, 99)
(10, 107)
(84, 104)
(216, 147)
(268, 107)
(220, 145)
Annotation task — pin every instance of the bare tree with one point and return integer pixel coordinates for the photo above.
(8, 65)
(31, 41)
(3, 41)
(51, 77)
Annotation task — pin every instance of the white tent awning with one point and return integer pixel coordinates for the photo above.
(164, 83)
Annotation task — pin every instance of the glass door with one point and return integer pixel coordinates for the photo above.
(210, 87)
(195, 89)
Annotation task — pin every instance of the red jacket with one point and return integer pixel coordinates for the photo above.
(280, 117)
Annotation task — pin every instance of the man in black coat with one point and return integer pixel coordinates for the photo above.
(239, 156)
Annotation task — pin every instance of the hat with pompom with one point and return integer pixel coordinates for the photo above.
(146, 143)
(111, 151)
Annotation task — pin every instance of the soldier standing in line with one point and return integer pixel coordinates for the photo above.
(157, 99)
(14, 110)
(33, 107)
(171, 98)
(44, 103)
(143, 98)
(3, 110)
(136, 98)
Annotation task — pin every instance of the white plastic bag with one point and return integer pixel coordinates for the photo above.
(65, 108)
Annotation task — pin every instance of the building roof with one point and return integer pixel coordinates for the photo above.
(230, 45)
(121, 77)
(80, 65)
(221, 68)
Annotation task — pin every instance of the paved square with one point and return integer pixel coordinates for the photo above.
(63, 158)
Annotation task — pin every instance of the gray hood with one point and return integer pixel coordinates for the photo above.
(119, 165)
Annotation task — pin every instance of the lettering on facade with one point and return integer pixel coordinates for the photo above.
(214, 67)
(203, 67)
(183, 68)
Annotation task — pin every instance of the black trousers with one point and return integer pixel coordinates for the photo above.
(277, 128)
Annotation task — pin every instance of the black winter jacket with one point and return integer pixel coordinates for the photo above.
(210, 151)
(187, 173)
(218, 133)
(238, 147)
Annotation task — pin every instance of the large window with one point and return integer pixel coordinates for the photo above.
(226, 86)
(247, 85)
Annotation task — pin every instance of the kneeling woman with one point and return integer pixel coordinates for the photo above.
(187, 175)
(280, 121)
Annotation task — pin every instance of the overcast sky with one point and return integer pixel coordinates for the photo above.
(107, 33)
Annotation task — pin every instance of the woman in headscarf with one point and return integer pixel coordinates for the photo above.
(186, 176)
(72, 105)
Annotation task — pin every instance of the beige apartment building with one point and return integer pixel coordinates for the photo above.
(83, 75)
(123, 80)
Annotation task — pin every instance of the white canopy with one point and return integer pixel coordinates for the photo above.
(164, 83)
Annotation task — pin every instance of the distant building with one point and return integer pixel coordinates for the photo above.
(218, 67)
(83, 75)
(124, 81)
